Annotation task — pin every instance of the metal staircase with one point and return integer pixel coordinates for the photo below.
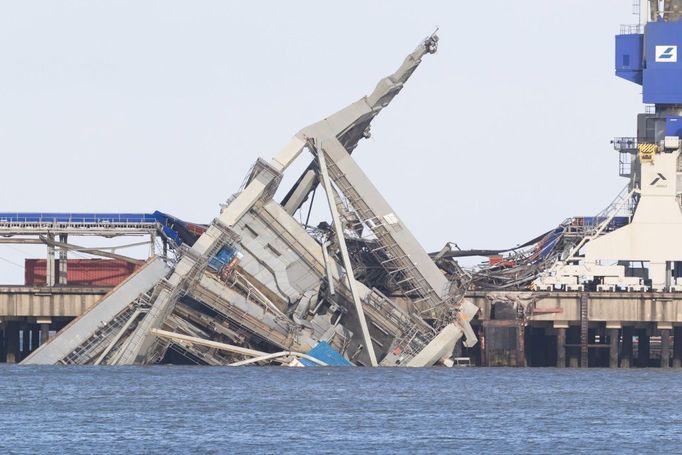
(99, 341)
(402, 271)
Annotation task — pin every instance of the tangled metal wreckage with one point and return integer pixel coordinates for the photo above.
(259, 287)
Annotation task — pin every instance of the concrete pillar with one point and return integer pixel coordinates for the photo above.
(3, 342)
(35, 338)
(573, 337)
(520, 345)
(626, 347)
(63, 238)
(561, 347)
(677, 347)
(665, 346)
(26, 341)
(592, 354)
(482, 343)
(614, 335)
(44, 333)
(50, 269)
(12, 337)
(643, 348)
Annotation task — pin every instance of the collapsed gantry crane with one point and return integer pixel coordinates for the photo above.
(258, 286)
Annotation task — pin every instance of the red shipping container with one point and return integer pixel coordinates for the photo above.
(81, 272)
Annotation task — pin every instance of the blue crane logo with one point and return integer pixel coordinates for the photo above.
(666, 54)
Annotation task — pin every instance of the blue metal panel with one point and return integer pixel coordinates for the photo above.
(324, 352)
(132, 218)
(629, 57)
(663, 68)
(221, 259)
(174, 228)
(673, 126)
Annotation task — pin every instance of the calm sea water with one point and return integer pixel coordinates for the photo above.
(174, 409)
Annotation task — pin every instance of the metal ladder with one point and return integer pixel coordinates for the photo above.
(96, 342)
(393, 259)
(584, 331)
(413, 342)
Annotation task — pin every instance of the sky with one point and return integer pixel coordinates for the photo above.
(136, 106)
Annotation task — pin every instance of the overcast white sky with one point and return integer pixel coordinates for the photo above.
(142, 105)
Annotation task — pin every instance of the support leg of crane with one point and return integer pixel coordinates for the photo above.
(63, 238)
(338, 228)
(50, 261)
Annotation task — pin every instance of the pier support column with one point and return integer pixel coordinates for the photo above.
(560, 327)
(614, 338)
(677, 347)
(44, 333)
(643, 348)
(665, 329)
(3, 342)
(25, 341)
(626, 347)
(573, 337)
(613, 332)
(521, 345)
(35, 337)
(482, 342)
(561, 348)
(12, 337)
(63, 238)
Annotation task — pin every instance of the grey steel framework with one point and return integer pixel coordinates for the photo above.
(258, 284)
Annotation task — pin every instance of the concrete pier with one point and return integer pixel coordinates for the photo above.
(44, 332)
(25, 341)
(601, 329)
(526, 328)
(573, 351)
(626, 347)
(677, 347)
(35, 337)
(665, 347)
(614, 338)
(502, 343)
(643, 348)
(561, 347)
(12, 342)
